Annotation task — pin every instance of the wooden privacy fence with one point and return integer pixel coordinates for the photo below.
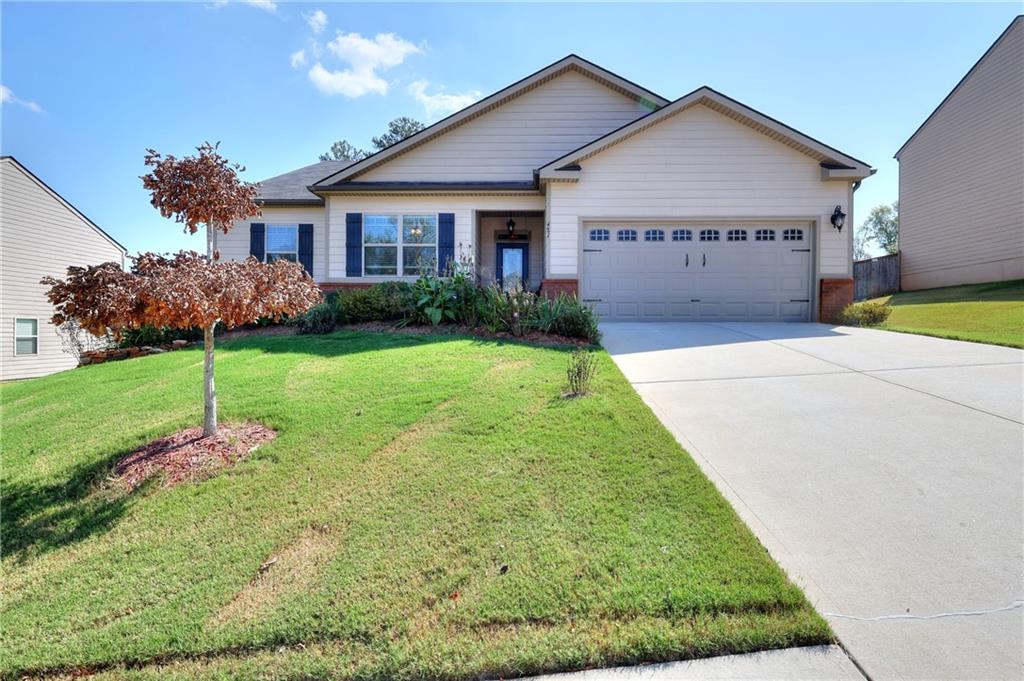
(877, 276)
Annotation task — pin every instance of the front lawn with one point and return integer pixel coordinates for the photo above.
(986, 313)
(430, 508)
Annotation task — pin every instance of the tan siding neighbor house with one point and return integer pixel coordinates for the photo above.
(40, 234)
(576, 180)
(962, 178)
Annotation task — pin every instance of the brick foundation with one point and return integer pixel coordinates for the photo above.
(327, 287)
(552, 287)
(835, 295)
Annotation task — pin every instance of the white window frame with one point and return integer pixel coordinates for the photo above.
(34, 337)
(654, 234)
(736, 234)
(792, 234)
(400, 243)
(266, 241)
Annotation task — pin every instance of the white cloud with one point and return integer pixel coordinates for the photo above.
(441, 103)
(298, 58)
(7, 97)
(265, 5)
(365, 58)
(317, 20)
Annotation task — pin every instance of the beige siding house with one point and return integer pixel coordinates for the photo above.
(962, 177)
(577, 180)
(40, 234)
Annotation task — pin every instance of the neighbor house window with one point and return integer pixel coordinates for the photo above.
(764, 235)
(736, 235)
(709, 235)
(626, 235)
(282, 243)
(654, 235)
(599, 235)
(399, 243)
(682, 235)
(793, 235)
(26, 336)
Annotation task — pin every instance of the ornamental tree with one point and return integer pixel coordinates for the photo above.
(187, 290)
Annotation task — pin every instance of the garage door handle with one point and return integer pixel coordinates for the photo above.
(799, 300)
(694, 300)
(801, 250)
(687, 259)
(591, 250)
(705, 263)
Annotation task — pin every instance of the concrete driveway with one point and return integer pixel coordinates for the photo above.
(882, 470)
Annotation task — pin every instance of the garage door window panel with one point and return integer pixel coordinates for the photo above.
(599, 235)
(710, 235)
(764, 235)
(682, 235)
(654, 235)
(736, 235)
(793, 235)
(626, 235)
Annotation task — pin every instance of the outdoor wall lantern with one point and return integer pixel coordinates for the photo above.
(838, 218)
(511, 226)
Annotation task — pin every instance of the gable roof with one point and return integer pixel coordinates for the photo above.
(569, 63)
(834, 163)
(67, 204)
(1016, 22)
(293, 188)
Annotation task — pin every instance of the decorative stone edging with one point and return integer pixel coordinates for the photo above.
(116, 354)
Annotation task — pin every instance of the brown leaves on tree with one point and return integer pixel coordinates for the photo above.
(200, 190)
(183, 291)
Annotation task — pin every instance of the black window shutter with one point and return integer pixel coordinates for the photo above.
(306, 247)
(353, 244)
(445, 241)
(257, 232)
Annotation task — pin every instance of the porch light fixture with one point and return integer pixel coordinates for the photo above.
(416, 231)
(511, 226)
(838, 218)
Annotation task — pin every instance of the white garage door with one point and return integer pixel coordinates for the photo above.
(685, 272)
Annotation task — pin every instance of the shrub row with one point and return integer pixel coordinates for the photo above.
(454, 300)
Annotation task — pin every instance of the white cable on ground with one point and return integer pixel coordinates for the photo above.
(967, 613)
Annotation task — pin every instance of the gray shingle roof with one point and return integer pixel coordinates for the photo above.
(291, 187)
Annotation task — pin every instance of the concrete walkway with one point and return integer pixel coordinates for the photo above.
(883, 471)
(820, 663)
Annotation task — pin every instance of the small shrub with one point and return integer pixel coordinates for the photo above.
(436, 299)
(318, 319)
(385, 302)
(575, 319)
(864, 314)
(147, 334)
(581, 369)
(512, 311)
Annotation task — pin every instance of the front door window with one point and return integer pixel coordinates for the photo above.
(513, 265)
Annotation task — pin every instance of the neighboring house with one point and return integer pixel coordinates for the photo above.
(577, 180)
(40, 234)
(962, 177)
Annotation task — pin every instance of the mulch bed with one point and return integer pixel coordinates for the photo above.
(187, 455)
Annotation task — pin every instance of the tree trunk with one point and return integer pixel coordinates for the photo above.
(209, 390)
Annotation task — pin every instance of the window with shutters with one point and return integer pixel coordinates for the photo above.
(626, 235)
(710, 235)
(736, 235)
(682, 235)
(399, 243)
(599, 235)
(793, 235)
(654, 235)
(764, 235)
(281, 243)
(26, 336)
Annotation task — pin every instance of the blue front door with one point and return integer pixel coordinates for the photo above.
(513, 264)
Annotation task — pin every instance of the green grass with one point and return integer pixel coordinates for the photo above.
(407, 470)
(985, 313)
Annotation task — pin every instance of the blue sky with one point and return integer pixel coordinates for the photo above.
(88, 86)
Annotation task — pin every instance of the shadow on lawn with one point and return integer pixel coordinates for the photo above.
(38, 518)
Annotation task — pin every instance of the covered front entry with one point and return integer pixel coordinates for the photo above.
(697, 271)
(510, 247)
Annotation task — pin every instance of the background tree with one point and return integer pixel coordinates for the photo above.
(860, 244)
(883, 226)
(343, 151)
(398, 130)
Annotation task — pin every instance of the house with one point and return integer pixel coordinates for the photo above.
(577, 180)
(962, 177)
(40, 234)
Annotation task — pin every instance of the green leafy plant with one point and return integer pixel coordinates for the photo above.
(580, 372)
(864, 314)
(436, 299)
(385, 302)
